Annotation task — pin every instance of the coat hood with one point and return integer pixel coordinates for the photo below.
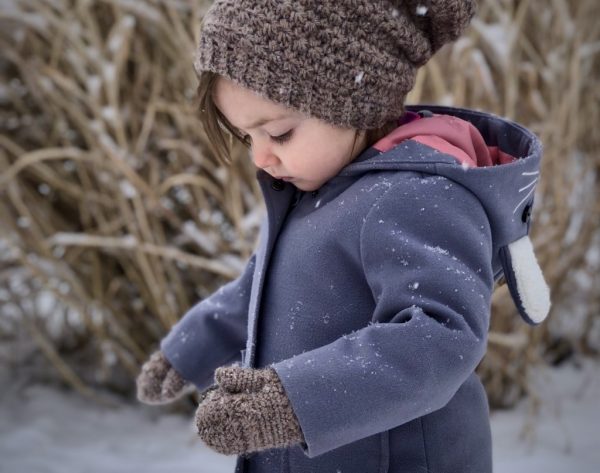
(498, 161)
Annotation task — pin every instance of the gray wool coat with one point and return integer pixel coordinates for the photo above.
(371, 299)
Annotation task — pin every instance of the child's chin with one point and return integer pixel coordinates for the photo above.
(305, 186)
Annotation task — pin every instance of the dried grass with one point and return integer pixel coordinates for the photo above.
(109, 196)
(111, 201)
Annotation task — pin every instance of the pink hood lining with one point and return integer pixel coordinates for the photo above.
(449, 135)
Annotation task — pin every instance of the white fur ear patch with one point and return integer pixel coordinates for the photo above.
(526, 281)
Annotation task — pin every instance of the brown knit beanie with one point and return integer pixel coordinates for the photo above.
(348, 62)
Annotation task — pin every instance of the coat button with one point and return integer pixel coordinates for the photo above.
(277, 185)
(526, 216)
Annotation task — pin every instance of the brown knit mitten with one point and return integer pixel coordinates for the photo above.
(248, 411)
(158, 382)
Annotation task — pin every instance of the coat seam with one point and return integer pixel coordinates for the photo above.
(424, 445)
(395, 162)
(384, 457)
(362, 228)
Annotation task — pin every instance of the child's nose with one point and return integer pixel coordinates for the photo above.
(263, 156)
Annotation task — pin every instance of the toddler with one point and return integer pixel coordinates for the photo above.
(349, 342)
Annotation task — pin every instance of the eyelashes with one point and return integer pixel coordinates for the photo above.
(281, 139)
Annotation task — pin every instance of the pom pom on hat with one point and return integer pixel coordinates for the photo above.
(443, 21)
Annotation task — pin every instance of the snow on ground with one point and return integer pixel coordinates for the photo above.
(564, 434)
(45, 430)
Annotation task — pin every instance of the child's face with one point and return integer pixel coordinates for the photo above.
(285, 143)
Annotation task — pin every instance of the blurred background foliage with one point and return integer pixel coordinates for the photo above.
(115, 217)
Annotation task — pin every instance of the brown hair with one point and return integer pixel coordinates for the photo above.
(219, 131)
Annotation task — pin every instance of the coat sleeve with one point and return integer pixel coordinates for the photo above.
(212, 333)
(426, 254)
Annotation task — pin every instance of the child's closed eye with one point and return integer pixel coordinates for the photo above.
(283, 138)
(280, 139)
